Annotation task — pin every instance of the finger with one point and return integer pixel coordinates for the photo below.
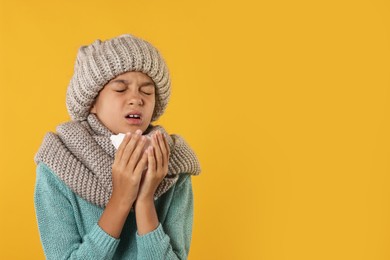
(119, 152)
(130, 147)
(137, 153)
(141, 164)
(167, 146)
(157, 151)
(151, 160)
(166, 157)
(161, 140)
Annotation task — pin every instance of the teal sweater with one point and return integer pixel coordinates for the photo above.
(68, 224)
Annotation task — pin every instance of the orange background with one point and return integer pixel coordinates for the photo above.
(285, 102)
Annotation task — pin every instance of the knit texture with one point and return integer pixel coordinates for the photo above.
(82, 155)
(98, 63)
(68, 224)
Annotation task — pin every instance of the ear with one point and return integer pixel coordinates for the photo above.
(93, 108)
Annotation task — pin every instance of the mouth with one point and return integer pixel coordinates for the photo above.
(134, 118)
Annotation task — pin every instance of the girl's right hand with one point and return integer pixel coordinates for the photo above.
(129, 163)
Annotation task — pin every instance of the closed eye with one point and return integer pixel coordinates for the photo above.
(147, 89)
(120, 90)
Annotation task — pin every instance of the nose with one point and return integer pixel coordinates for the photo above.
(135, 99)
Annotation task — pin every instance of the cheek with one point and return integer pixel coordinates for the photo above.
(152, 103)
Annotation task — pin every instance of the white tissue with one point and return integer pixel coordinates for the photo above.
(117, 139)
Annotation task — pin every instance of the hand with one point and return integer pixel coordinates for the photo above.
(129, 163)
(158, 156)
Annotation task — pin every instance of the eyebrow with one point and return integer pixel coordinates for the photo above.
(143, 84)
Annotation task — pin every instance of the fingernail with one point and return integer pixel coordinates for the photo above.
(138, 132)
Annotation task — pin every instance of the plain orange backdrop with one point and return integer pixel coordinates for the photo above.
(285, 102)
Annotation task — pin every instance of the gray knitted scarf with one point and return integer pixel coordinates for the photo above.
(81, 154)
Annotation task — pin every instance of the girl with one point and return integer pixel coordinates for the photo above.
(95, 202)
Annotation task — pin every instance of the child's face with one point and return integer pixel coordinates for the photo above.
(131, 93)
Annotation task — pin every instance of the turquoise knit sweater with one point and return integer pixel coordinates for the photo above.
(68, 224)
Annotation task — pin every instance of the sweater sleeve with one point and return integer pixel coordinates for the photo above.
(171, 239)
(57, 223)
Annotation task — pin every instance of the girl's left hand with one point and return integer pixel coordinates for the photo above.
(158, 157)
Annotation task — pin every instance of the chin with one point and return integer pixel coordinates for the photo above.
(132, 129)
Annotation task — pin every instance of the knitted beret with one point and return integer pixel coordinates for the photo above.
(98, 63)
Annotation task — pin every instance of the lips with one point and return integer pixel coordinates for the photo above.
(134, 118)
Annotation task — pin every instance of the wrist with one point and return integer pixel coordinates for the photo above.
(146, 215)
(145, 199)
(114, 216)
(120, 204)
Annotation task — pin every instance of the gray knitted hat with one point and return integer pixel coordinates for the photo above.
(98, 63)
